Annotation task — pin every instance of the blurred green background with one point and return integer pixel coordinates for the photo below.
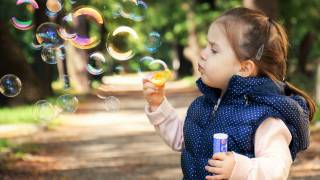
(183, 26)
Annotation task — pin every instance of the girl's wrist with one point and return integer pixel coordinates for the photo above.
(153, 107)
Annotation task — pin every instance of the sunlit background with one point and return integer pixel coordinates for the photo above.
(71, 104)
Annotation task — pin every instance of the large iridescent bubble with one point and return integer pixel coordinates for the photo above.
(44, 111)
(54, 6)
(47, 34)
(24, 23)
(153, 42)
(95, 20)
(132, 9)
(67, 28)
(67, 103)
(97, 63)
(10, 85)
(121, 42)
(51, 54)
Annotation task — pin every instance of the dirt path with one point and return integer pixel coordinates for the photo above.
(94, 144)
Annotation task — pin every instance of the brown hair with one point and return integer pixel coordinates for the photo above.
(254, 36)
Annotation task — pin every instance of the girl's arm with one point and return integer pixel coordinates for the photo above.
(167, 124)
(273, 158)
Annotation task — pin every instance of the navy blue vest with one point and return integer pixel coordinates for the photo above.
(247, 102)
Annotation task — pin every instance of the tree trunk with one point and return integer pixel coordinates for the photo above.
(76, 68)
(192, 51)
(304, 51)
(318, 81)
(270, 7)
(14, 62)
(42, 70)
(185, 66)
(77, 60)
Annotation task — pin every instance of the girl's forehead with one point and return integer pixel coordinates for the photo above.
(216, 33)
(224, 29)
(215, 28)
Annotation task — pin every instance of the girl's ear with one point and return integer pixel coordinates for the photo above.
(248, 68)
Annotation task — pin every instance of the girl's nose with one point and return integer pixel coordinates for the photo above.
(203, 54)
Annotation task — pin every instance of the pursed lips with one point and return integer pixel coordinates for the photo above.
(200, 68)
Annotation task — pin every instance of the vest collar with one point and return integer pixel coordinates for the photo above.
(240, 86)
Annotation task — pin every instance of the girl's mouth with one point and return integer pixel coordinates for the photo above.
(200, 68)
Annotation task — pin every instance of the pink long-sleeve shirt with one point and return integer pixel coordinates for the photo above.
(272, 155)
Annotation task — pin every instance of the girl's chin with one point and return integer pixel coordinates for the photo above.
(205, 81)
(208, 83)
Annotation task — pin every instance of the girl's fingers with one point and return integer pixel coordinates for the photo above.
(150, 91)
(148, 76)
(215, 163)
(215, 177)
(144, 80)
(209, 177)
(214, 170)
(219, 156)
(149, 85)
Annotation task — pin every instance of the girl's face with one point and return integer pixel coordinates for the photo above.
(218, 61)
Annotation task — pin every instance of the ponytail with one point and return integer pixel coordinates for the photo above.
(311, 104)
(265, 38)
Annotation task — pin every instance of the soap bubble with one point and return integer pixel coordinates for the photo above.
(63, 83)
(10, 85)
(97, 63)
(66, 80)
(95, 20)
(155, 70)
(111, 104)
(54, 6)
(121, 43)
(101, 89)
(119, 70)
(22, 25)
(144, 65)
(35, 46)
(51, 14)
(153, 42)
(24, 22)
(67, 28)
(133, 9)
(44, 111)
(51, 54)
(89, 12)
(67, 103)
(47, 34)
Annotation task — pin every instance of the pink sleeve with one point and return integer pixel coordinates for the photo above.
(272, 155)
(167, 124)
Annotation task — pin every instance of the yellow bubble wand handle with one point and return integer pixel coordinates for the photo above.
(161, 77)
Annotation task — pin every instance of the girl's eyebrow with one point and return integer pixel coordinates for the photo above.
(212, 43)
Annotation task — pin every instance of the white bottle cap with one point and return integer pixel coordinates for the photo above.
(220, 136)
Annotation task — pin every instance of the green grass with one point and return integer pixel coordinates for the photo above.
(17, 115)
(18, 151)
(4, 144)
(21, 114)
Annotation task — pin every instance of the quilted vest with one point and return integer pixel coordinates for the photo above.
(247, 102)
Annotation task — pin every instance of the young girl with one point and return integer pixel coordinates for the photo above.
(245, 95)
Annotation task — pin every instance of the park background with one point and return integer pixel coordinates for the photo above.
(93, 143)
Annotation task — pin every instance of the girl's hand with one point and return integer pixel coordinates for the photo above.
(153, 94)
(221, 165)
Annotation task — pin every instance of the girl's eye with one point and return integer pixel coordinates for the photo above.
(213, 51)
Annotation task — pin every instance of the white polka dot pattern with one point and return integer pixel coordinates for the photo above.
(245, 105)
